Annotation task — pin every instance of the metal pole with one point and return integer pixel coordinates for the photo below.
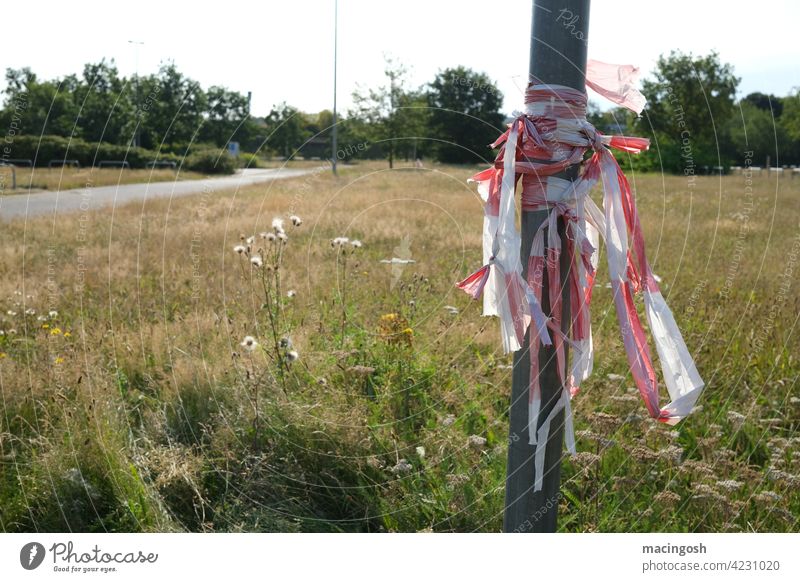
(335, 50)
(136, 44)
(558, 56)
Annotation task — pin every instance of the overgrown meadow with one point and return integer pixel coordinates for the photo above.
(197, 365)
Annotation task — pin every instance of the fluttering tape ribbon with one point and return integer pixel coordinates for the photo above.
(550, 136)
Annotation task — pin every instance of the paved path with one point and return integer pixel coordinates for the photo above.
(39, 203)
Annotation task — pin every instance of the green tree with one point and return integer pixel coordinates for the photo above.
(227, 117)
(104, 101)
(690, 101)
(40, 107)
(171, 107)
(393, 115)
(465, 114)
(285, 129)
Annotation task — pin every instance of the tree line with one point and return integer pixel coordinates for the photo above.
(693, 117)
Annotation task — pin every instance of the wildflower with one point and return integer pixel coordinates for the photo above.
(768, 497)
(249, 343)
(585, 459)
(285, 342)
(53, 313)
(643, 454)
(292, 356)
(476, 442)
(668, 498)
(67, 334)
(277, 225)
(55, 331)
(730, 485)
(268, 236)
(11, 313)
(296, 220)
(456, 479)
(59, 360)
(291, 293)
(2, 333)
(30, 311)
(356, 244)
(12, 332)
(339, 241)
(41, 318)
(448, 420)
(3, 355)
(420, 452)
(240, 249)
(251, 240)
(605, 423)
(256, 261)
(322, 381)
(45, 326)
(402, 466)
(283, 237)
(736, 419)
(672, 453)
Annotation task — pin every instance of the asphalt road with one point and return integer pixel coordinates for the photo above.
(86, 199)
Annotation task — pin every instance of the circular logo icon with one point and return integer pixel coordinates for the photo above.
(31, 555)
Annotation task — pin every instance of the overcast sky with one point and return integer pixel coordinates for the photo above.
(283, 50)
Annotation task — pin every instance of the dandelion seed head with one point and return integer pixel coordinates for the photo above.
(291, 293)
(296, 220)
(292, 356)
(240, 249)
(249, 343)
(283, 237)
(420, 452)
(356, 244)
(53, 313)
(277, 225)
(256, 260)
(251, 240)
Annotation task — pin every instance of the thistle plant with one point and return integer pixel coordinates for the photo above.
(344, 247)
(261, 263)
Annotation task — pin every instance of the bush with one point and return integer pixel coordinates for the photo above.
(246, 160)
(210, 162)
(53, 147)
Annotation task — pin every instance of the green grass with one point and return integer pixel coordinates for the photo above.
(150, 416)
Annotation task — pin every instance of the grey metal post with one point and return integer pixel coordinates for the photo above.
(334, 143)
(559, 41)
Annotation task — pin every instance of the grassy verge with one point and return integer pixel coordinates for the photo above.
(131, 401)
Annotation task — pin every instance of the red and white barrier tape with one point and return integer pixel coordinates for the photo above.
(551, 135)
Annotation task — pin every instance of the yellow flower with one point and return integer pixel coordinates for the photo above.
(59, 360)
(3, 355)
(408, 331)
(67, 334)
(55, 331)
(45, 326)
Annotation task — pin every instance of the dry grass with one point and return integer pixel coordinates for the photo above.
(70, 178)
(144, 412)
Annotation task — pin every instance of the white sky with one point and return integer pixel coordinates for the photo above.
(282, 49)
